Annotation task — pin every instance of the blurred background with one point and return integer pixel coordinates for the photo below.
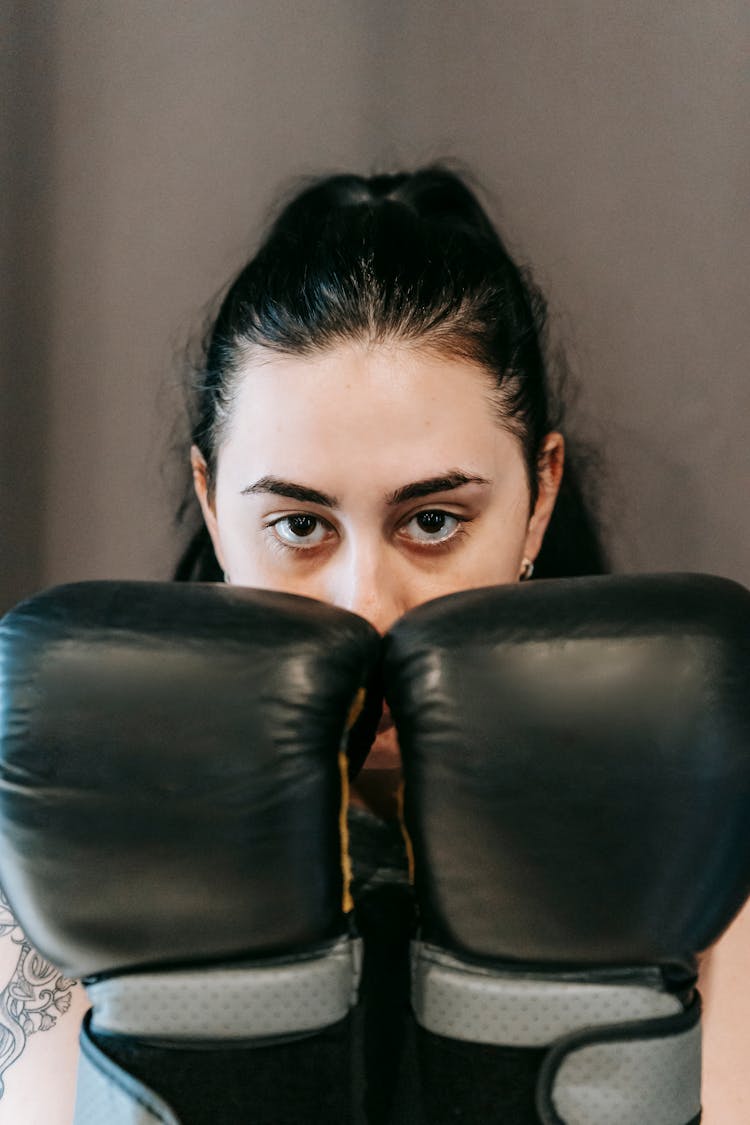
(144, 143)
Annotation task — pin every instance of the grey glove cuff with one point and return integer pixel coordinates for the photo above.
(621, 1047)
(256, 1000)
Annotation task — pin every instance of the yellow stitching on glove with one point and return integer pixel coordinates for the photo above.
(347, 903)
(356, 708)
(404, 830)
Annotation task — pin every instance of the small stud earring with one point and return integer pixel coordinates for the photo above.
(527, 569)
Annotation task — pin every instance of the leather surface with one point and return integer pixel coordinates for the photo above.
(577, 766)
(170, 788)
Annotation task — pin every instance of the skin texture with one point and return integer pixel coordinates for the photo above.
(40, 1013)
(403, 416)
(723, 983)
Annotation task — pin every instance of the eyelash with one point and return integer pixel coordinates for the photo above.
(440, 544)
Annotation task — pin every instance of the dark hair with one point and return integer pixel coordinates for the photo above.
(410, 257)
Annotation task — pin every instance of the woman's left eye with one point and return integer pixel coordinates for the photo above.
(432, 526)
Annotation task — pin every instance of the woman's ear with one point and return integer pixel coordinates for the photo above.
(200, 483)
(549, 476)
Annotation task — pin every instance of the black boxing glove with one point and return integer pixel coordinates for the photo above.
(172, 830)
(577, 795)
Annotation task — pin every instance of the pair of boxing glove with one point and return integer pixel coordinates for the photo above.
(173, 788)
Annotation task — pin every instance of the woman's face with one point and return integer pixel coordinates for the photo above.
(372, 477)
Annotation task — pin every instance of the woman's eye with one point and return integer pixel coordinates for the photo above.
(432, 526)
(302, 530)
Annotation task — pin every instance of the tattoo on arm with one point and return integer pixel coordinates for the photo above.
(34, 997)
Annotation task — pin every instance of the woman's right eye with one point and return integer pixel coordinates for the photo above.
(300, 531)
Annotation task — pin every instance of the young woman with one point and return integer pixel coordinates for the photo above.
(375, 424)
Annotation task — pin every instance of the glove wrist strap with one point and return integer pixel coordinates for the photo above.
(617, 1044)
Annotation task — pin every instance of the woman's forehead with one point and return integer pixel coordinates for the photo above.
(358, 423)
(377, 403)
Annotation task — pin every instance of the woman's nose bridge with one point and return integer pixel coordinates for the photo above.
(368, 584)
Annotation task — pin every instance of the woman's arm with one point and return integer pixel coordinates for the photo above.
(40, 1016)
(724, 981)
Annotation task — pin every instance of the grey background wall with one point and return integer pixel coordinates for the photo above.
(144, 142)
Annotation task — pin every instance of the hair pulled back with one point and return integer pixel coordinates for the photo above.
(409, 258)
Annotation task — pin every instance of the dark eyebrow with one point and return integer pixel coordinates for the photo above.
(294, 491)
(445, 483)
